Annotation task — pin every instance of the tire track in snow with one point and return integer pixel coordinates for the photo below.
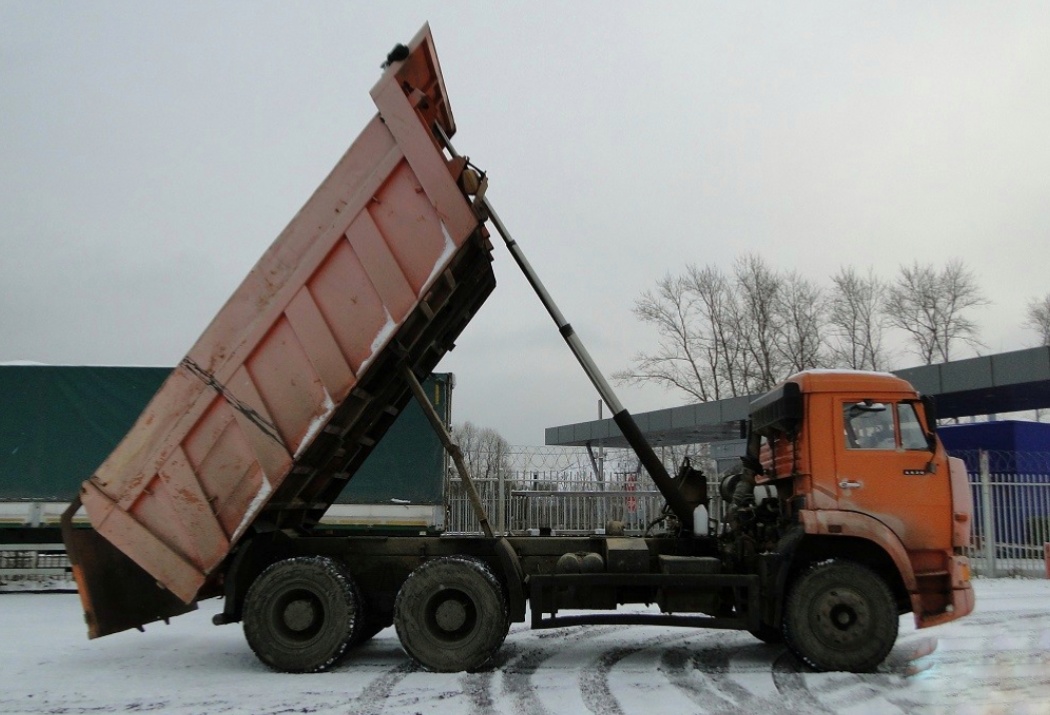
(713, 661)
(594, 681)
(374, 695)
(833, 692)
(706, 677)
(790, 683)
(678, 665)
(478, 689)
(517, 681)
(714, 677)
(520, 668)
(478, 686)
(702, 672)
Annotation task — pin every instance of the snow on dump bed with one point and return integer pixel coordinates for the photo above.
(995, 661)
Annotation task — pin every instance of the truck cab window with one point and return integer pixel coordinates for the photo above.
(912, 435)
(868, 425)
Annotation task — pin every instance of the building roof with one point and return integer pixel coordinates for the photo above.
(993, 384)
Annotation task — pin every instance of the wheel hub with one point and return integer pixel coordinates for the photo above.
(450, 615)
(841, 617)
(300, 614)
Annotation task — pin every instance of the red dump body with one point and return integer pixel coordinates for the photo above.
(282, 397)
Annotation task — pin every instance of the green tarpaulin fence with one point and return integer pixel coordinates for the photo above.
(58, 423)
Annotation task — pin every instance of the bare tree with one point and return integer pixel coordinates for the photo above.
(485, 450)
(855, 314)
(680, 360)
(1037, 318)
(703, 349)
(723, 348)
(931, 307)
(728, 335)
(759, 289)
(722, 336)
(803, 310)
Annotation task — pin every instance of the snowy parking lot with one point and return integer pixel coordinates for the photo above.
(997, 660)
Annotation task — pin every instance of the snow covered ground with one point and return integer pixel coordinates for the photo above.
(997, 660)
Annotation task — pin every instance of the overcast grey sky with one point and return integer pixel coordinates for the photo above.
(150, 152)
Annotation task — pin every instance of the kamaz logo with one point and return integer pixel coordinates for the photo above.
(914, 472)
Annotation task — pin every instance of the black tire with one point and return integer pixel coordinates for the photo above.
(768, 634)
(451, 614)
(840, 615)
(301, 614)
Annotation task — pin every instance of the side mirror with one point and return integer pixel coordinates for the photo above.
(929, 406)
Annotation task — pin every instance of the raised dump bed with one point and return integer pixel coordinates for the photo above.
(280, 400)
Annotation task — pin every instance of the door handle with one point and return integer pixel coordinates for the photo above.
(849, 484)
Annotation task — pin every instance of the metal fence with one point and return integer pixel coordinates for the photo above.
(552, 502)
(562, 494)
(42, 566)
(569, 491)
(1011, 498)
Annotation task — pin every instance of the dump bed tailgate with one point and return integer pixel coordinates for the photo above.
(283, 396)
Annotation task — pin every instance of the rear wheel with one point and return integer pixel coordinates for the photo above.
(301, 614)
(451, 614)
(840, 616)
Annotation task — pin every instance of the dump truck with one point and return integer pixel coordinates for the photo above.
(846, 514)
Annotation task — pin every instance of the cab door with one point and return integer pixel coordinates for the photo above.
(882, 469)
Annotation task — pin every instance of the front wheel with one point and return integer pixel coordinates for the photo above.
(768, 634)
(451, 614)
(840, 615)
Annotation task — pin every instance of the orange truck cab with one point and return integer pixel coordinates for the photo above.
(851, 463)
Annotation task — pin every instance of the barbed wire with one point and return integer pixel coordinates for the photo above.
(1027, 464)
(552, 458)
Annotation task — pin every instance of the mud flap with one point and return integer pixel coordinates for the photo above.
(115, 592)
(514, 577)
